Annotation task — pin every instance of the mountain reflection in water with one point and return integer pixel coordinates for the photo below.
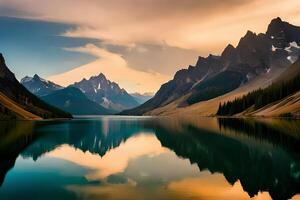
(150, 158)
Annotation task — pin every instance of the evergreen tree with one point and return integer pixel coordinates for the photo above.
(260, 97)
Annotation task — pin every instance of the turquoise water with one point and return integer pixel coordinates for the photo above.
(150, 158)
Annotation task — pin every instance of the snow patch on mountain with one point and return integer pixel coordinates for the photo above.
(292, 46)
(106, 93)
(82, 90)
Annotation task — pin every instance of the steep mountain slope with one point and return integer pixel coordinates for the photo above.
(291, 72)
(210, 107)
(72, 100)
(282, 98)
(17, 102)
(39, 86)
(287, 107)
(142, 98)
(254, 56)
(106, 93)
(11, 110)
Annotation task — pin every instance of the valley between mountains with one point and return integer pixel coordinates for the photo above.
(263, 63)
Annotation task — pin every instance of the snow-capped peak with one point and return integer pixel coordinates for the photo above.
(39, 86)
(26, 79)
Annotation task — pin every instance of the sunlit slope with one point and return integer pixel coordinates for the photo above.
(16, 109)
(210, 107)
(288, 105)
(279, 99)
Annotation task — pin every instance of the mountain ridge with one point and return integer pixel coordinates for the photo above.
(39, 86)
(255, 55)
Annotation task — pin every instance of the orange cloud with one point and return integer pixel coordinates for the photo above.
(115, 68)
(197, 24)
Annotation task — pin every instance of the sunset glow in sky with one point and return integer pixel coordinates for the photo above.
(139, 44)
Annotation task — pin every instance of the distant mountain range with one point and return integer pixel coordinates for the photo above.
(142, 98)
(98, 95)
(16, 102)
(253, 63)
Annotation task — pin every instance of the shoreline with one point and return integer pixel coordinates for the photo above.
(152, 116)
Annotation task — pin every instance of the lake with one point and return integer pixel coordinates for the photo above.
(124, 158)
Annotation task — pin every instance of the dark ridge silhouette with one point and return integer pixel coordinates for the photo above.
(12, 89)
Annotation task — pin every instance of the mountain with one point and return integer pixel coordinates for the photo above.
(279, 99)
(69, 99)
(72, 100)
(141, 98)
(39, 86)
(106, 93)
(255, 56)
(17, 102)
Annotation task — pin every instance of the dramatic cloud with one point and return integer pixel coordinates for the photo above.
(115, 68)
(159, 58)
(198, 24)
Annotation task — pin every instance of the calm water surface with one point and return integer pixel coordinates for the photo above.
(150, 158)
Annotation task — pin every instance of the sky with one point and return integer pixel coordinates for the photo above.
(139, 44)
